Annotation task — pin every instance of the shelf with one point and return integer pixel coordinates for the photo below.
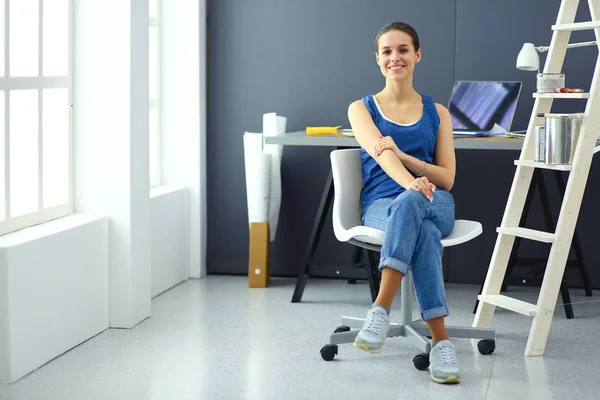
(519, 306)
(561, 95)
(535, 164)
(577, 26)
(526, 233)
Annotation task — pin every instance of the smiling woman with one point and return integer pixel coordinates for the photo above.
(400, 27)
(408, 168)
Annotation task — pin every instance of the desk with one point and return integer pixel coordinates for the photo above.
(482, 143)
(300, 139)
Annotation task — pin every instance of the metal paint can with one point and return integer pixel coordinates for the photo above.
(562, 133)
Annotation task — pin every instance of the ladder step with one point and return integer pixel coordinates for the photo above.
(510, 303)
(538, 236)
(577, 26)
(535, 164)
(561, 95)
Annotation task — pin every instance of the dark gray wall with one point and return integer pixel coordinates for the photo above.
(308, 60)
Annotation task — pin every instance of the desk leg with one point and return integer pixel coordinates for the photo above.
(576, 244)
(551, 227)
(538, 182)
(356, 258)
(314, 239)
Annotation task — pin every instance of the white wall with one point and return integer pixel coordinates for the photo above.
(111, 135)
(53, 291)
(183, 104)
(170, 238)
(81, 275)
(111, 146)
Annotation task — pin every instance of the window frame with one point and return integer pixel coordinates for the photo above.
(154, 104)
(39, 83)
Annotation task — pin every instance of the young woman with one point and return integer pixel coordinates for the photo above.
(408, 167)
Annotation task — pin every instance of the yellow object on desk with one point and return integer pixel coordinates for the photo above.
(328, 130)
(322, 130)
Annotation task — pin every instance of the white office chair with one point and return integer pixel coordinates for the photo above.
(347, 226)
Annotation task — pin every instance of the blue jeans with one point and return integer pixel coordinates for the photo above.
(413, 228)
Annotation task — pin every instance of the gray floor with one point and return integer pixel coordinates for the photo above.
(217, 339)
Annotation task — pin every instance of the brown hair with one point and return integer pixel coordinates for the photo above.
(398, 26)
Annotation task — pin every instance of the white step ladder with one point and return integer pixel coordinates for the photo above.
(543, 311)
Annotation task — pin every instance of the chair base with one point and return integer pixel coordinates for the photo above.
(416, 330)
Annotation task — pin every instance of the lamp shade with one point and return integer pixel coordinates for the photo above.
(528, 59)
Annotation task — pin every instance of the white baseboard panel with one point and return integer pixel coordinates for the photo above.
(170, 238)
(53, 291)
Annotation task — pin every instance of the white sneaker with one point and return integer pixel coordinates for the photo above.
(443, 367)
(374, 330)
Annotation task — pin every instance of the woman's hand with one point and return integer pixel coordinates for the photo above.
(387, 143)
(423, 186)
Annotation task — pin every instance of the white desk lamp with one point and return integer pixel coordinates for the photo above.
(529, 60)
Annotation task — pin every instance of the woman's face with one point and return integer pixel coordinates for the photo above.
(396, 55)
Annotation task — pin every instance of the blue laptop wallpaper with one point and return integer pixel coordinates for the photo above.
(478, 105)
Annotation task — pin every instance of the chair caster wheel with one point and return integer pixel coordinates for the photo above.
(342, 328)
(421, 361)
(329, 351)
(486, 346)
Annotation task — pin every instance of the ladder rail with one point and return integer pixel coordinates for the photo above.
(595, 16)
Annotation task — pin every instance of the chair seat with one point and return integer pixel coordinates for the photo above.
(463, 231)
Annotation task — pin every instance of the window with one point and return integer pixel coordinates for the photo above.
(36, 163)
(154, 89)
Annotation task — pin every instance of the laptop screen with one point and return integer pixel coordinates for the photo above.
(478, 105)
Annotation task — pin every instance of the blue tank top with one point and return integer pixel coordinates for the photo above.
(417, 140)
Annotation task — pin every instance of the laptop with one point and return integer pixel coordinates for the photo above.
(480, 108)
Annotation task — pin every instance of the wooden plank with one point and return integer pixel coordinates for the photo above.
(509, 303)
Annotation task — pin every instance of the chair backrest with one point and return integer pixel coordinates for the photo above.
(346, 169)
